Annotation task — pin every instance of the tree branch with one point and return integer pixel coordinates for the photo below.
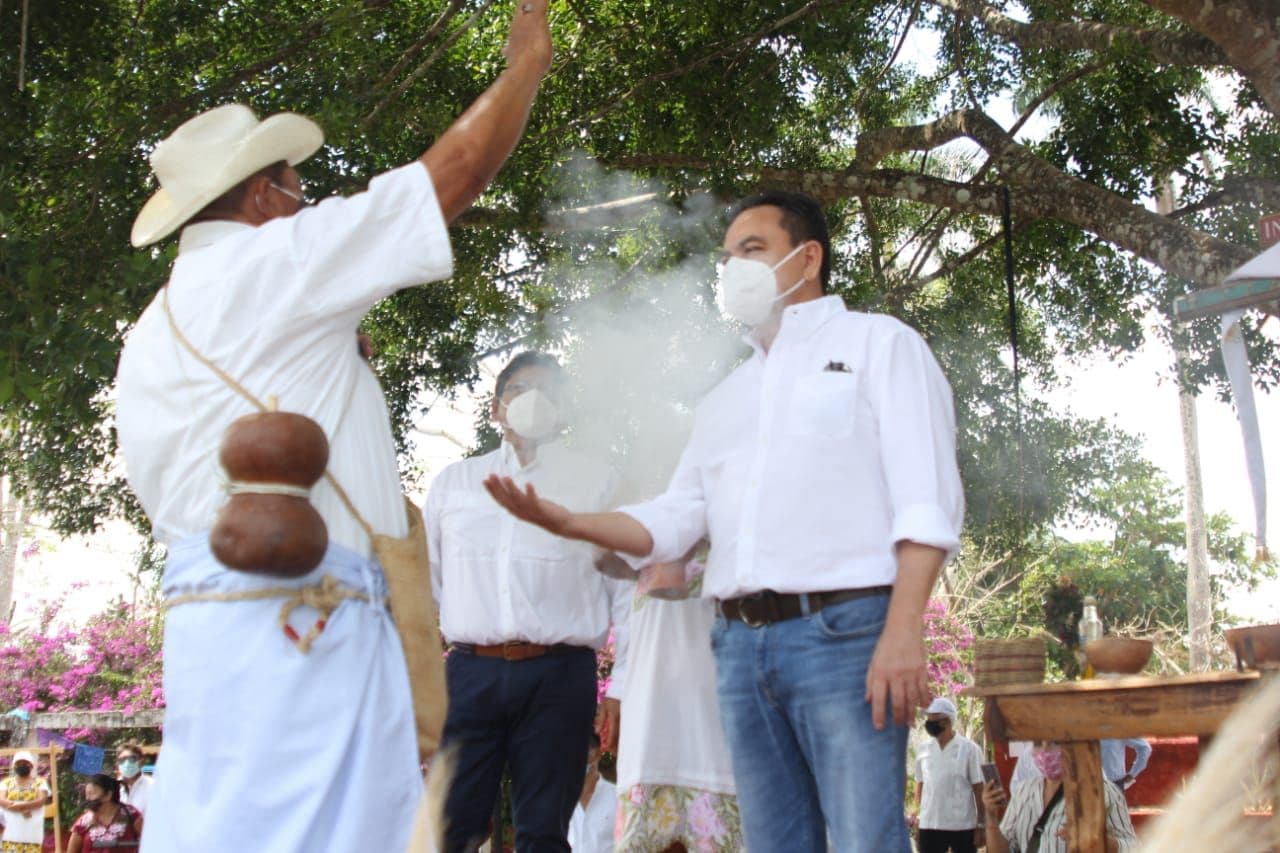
(1166, 46)
(426, 64)
(716, 51)
(1247, 31)
(874, 237)
(1264, 192)
(1042, 191)
(417, 47)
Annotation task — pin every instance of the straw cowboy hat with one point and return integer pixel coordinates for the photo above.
(210, 154)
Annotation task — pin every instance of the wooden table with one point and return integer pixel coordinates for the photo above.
(1077, 714)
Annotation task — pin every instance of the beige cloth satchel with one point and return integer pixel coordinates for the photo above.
(413, 607)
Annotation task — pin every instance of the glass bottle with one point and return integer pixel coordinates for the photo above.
(1090, 629)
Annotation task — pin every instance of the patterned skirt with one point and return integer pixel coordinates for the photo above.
(653, 817)
(19, 847)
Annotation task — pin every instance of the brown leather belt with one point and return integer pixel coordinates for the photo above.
(766, 607)
(517, 650)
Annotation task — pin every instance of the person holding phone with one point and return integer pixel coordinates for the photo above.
(1036, 820)
(948, 773)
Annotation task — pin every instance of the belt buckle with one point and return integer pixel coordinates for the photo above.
(755, 597)
(513, 651)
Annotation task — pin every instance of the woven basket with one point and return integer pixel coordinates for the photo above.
(1019, 661)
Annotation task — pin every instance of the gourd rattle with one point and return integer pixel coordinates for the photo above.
(268, 525)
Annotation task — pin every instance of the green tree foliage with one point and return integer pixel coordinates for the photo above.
(1137, 574)
(855, 102)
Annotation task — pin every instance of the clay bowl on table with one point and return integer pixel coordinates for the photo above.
(1118, 654)
(1254, 645)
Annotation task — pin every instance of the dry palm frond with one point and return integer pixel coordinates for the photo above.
(428, 822)
(1209, 813)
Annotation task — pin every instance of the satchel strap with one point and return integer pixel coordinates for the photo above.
(1033, 846)
(231, 383)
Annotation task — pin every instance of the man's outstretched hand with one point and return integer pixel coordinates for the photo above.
(525, 504)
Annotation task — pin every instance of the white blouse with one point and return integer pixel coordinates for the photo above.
(1026, 804)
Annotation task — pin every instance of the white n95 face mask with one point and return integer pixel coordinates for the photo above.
(533, 415)
(749, 289)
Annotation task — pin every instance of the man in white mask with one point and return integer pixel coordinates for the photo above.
(525, 613)
(823, 470)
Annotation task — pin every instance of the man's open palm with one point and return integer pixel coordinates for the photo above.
(525, 504)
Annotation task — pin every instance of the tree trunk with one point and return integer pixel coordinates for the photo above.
(1199, 596)
(13, 518)
(1248, 31)
(1200, 606)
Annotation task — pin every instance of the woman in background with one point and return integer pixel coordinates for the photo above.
(23, 796)
(675, 782)
(107, 823)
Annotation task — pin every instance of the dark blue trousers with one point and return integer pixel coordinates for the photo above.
(532, 717)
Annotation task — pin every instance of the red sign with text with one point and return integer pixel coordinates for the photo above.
(1269, 231)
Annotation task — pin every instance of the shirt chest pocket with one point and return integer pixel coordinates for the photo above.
(824, 404)
(470, 519)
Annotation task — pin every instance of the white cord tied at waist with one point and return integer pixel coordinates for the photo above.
(325, 596)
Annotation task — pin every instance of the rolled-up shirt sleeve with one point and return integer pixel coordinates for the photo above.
(1141, 755)
(675, 519)
(917, 429)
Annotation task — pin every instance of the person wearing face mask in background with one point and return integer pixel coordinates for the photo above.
(23, 796)
(135, 788)
(524, 613)
(948, 774)
(107, 824)
(823, 471)
(1035, 820)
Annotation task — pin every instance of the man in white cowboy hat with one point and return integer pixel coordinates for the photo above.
(273, 744)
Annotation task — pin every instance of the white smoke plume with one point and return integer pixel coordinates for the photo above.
(643, 347)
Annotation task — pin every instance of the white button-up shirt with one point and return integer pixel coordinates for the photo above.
(277, 307)
(948, 775)
(499, 579)
(138, 795)
(807, 465)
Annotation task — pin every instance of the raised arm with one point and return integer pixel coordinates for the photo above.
(467, 156)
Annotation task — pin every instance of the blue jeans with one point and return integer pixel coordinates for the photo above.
(808, 763)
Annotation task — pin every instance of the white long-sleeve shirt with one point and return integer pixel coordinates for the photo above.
(277, 308)
(807, 465)
(498, 579)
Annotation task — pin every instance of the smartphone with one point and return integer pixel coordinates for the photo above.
(990, 773)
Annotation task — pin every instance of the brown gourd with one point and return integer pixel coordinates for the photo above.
(268, 533)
